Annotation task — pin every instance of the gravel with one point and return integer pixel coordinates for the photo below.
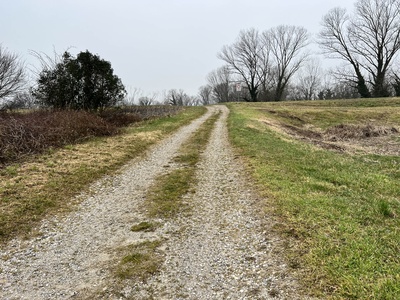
(221, 249)
(71, 254)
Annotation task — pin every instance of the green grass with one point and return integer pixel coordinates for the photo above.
(340, 213)
(45, 184)
(140, 261)
(144, 226)
(165, 197)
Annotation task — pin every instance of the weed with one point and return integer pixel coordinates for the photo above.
(10, 171)
(140, 261)
(384, 209)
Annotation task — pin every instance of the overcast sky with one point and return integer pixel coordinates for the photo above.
(153, 45)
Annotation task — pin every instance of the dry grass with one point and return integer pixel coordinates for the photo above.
(351, 132)
(343, 128)
(46, 183)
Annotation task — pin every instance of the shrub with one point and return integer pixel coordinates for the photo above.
(33, 132)
(85, 82)
(23, 134)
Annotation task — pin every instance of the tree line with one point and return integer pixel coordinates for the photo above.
(82, 82)
(271, 65)
(276, 64)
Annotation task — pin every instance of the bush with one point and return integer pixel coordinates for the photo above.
(119, 117)
(29, 133)
(22, 134)
(85, 82)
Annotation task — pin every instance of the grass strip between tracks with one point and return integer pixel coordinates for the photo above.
(164, 198)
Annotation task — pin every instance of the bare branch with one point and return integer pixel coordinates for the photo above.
(369, 40)
(12, 74)
(219, 81)
(249, 58)
(286, 44)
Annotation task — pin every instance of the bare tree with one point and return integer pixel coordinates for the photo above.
(248, 57)
(368, 41)
(12, 74)
(133, 96)
(177, 98)
(220, 81)
(148, 100)
(194, 101)
(205, 94)
(309, 80)
(145, 101)
(286, 44)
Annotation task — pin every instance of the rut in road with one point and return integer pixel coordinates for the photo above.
(220, 249)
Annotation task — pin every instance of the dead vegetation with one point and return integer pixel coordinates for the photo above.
(369, 138)
(39, 185)
(356, 132)
(26, 133)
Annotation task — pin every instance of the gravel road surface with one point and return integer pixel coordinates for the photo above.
(221, 249)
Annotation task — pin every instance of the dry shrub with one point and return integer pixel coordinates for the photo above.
(349, 131)
(123, 116)
(120, 117)
(153, 111)
(22, 134)
(34, 132)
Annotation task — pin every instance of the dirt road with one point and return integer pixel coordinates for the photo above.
(222, 249)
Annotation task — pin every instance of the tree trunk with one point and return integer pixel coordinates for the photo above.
(380, 89)
(253, 94)
(362, 86)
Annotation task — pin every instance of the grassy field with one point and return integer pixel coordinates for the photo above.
(333, 193)
(46, 183)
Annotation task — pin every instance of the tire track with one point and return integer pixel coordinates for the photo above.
(222, 250)
(71, 256)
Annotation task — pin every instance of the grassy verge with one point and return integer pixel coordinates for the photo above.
(324, 114)
(164, 198)
(340, 213)
(45, 184)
